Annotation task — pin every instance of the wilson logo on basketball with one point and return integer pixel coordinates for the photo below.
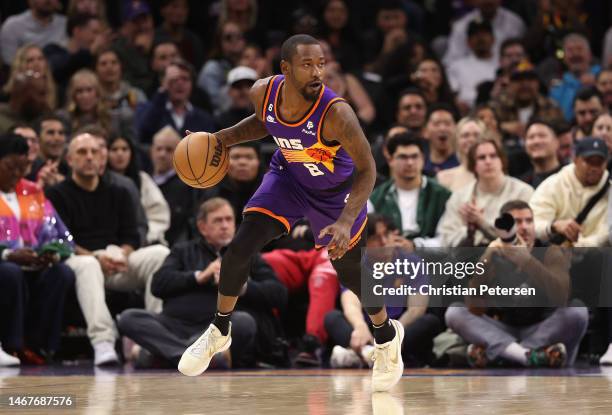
(216, 158)
(319, 154)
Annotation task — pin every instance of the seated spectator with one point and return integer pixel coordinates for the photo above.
(39, 25)
(541, 145)
(468, 132)
(171, 106)
(27, 102)
(381, 155)
(188, 284)
(464, 74)
(119, 96)
(471, 210)
(93, 7)
(489, 117)
(31, 137)
(534, 336)
(253, 57)
(559, 199)
(173, 28)
(50, 167)
(311, 271)
(565, 135)
(33, 244)
(350, 332)
(604, 86)
(506, 24)
(430, 76)
(228, 46)
(439, 132)
(588, 104)
(133, 45)
(581, 72)
(122, 159)
(85, 105)
(87, 37)
(31, 58)
(102, 138)
(413, 202)
(523, 101)
(181, 198)
(103, 223)
(162, 55)
(239, 82)
(389, 34)
(412, 111)
(337, 29)
(602, 128)
(243, 177)
(355, 95)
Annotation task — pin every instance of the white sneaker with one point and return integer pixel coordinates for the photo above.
(104, 353)
(606, 359)
(388, 363)
(197, 357)
(343, 357)
(8, 360)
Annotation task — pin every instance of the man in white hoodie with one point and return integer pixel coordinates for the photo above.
(561, 197)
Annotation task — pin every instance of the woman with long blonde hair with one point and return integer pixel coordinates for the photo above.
(31, 58)
(84, 104)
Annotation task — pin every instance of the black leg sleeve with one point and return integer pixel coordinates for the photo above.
(255, 231)
(348, 269)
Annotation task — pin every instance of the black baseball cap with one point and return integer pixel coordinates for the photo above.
(591, 146)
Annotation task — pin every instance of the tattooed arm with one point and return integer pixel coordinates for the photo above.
(252, 127)
(342, 126)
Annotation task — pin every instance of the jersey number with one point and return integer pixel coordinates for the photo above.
(313, 169)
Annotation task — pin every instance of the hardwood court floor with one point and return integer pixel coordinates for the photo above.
(314, 392)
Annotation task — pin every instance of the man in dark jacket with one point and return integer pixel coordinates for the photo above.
(413, 202)
(188, 283)
(171, 105)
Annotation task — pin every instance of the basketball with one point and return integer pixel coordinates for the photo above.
(200, 160)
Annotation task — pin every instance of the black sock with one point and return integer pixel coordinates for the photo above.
(384, 333)
(222, 322)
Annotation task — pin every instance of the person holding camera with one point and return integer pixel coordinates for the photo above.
(543, 331)
(33, 277)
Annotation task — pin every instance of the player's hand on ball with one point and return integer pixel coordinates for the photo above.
(341, 234)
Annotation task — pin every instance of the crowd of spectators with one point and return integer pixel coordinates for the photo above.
(473, 109)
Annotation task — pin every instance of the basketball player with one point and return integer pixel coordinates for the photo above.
(324, 171)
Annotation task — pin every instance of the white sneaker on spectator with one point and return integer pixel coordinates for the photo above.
(197, 357)
(388, 363)
(104, 353)
(8, 360)
(606, 359)
(343, 357)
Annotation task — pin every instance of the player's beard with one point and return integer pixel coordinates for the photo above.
(308, 96)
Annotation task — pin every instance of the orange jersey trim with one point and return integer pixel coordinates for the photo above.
(304, 118)
(265, 211)
(267, 97)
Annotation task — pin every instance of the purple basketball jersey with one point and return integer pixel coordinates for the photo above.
(301, 150)
(307, 178)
